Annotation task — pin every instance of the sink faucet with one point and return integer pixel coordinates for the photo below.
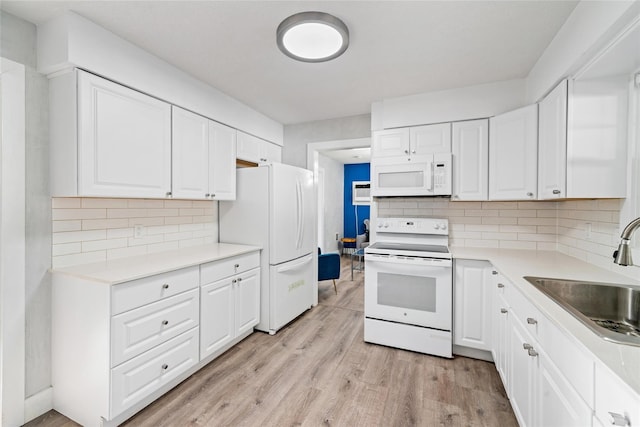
(623, 255)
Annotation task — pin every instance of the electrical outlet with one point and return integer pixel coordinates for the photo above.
(138, 231)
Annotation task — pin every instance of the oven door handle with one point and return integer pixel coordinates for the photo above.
(415, 261)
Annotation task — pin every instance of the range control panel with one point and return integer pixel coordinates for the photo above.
(413, 225)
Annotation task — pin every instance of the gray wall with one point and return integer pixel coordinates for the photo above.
(333, 202)
(18, 43)
(296, 137)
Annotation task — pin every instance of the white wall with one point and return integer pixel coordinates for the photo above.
(297, 136)
(333, 201)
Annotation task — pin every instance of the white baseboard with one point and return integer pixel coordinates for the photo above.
(38, 404)
(472, 353)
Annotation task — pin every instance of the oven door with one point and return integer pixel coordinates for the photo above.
(415, 291)
(402, 176)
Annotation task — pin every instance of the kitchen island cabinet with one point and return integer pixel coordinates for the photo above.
(126, 331)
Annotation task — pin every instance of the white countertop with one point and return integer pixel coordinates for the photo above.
(623, 360)
(125, 269)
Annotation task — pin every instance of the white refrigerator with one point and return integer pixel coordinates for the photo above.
(274, 209)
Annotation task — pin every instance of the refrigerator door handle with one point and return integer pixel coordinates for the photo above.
(294, 266)
(298, 214)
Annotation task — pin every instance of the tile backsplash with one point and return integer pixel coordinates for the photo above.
(88, 230)
(585, 229)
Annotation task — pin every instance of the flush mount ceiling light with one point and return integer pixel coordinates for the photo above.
(312, 37)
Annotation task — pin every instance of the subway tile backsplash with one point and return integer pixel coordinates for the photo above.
(585, 229)
(96, 229)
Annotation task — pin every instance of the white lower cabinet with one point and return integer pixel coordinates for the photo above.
(522, 366)
(229, 301)
(118, 347)
(472, 304)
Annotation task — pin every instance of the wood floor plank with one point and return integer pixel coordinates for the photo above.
(318, 371)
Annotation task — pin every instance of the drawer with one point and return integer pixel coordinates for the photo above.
(139, 377)
(612, 395)
(139, 330)
(526, 312)
(137, 293)
(214, 271)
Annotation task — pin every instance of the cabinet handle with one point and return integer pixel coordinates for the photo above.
(213, 195)
(165, 286)
(531, 321)
(500, 285)
(237, 265)
(414, 151)
(529, 194)
(207, 195)
(526, 346)
(168, 194)
(532, 352)
(165, 367)
(494, 272)
(504, 311)
(239, 279)
(165, 322)
(406, 151)
(618, 419)
(234, 281)
(556, 191)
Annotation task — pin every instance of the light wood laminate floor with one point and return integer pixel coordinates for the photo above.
(318, 371)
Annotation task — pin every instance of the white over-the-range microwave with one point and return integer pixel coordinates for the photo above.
(418, 175)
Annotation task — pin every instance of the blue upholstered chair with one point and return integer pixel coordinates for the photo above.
(329, 267)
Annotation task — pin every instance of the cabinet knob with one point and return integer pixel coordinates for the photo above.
(165, 367)
(239, 279)
(526, 346)
(556, 191)
(234, 281)
(531, 321)
(237, 265)
(414, 152)
(618, 419)
(168, 194)
(494, 272)
(213, 195)
(165, 322)
(504, 311)
(529, 194)
(406, 151)
(532, 352)
(500, 285)
(207, 195)
(165, 286)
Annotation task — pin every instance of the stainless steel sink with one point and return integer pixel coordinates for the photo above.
(611, 311)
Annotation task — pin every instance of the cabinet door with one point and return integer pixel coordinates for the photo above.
(190, 154)
(222, 162)
(271, 153)
(247, 301)
(124, 141)
(248, 147)
(557, 403)
(472, 304)
(431, 139)
(552, 151)
(216, 316)
(391, 142)
(501, 339)
(522, 374)
(470, 149)
(513, 155)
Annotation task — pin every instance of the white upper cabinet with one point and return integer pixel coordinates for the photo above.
(470, 149)
(552, 148)
(430, 139)
(222, 162)
(513, 155)
(391, 142)
(256, 150)
(123, 141)
(190, 150)
(204, 158)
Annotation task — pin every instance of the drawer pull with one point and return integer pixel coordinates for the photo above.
(526, 346)
(531, 321)
(165, 367)
(234, 281)
(500, 285)
(239, 279)
(165, 286)
(532, 352)
(618, 420)
(165, 322)
(237, 265)
(504, 311)
(494, 272)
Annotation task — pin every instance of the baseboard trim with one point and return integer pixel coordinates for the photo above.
(38, 404)
(472, 353)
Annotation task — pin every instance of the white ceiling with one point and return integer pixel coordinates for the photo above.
(349, 156)
(397, 47)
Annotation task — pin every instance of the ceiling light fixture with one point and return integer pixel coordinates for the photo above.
(312, 37)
